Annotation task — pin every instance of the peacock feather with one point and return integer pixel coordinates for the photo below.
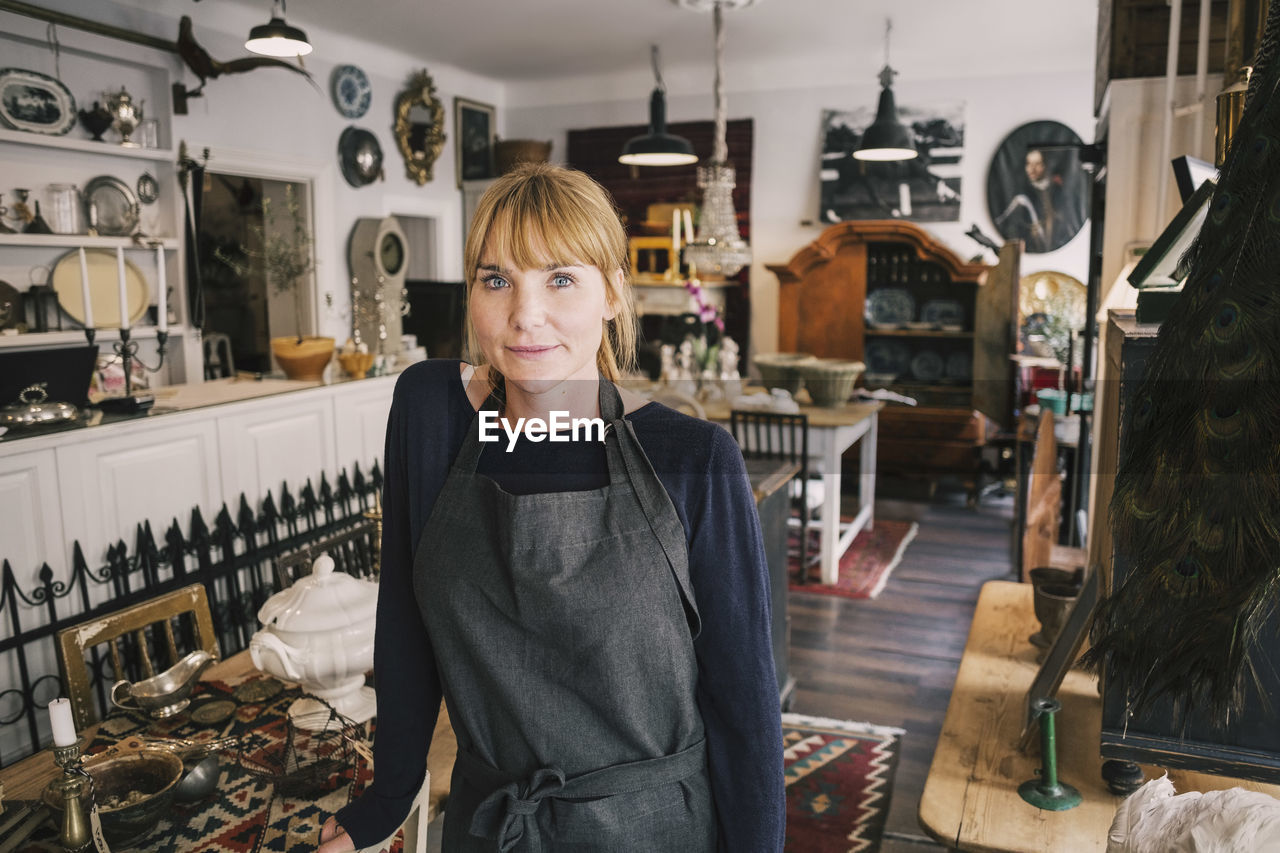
(1196, 507)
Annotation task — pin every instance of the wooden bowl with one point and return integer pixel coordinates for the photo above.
(356, 364)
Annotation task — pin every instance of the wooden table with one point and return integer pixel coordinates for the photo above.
(832, 431)
(26, 779)
(970, 799)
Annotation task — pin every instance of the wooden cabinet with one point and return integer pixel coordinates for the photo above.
(927, 325)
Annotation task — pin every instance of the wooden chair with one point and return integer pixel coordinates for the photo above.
(353, 550)
(130, 625)
(777, 435)
(1044, 507)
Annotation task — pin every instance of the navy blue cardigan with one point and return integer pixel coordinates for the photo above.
(702, 470)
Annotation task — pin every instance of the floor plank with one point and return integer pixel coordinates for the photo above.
(893, 660)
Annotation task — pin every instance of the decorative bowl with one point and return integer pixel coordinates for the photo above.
(356, 364)
(132, 790)
(830, 380)
(781, 369)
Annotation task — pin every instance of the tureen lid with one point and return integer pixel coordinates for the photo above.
(32, 410)
(322, 601)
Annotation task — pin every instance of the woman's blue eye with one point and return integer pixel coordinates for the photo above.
(563, 281)
(494, 282)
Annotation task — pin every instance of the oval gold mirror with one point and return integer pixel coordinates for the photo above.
(419, 126)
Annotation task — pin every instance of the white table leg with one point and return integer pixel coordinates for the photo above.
(829, 551)
(867, 486)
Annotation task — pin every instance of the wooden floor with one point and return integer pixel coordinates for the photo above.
(892, 660)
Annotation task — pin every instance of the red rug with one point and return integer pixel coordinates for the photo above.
(865, 567)
(839, 777)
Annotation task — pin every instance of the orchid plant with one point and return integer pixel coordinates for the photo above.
(708, 330)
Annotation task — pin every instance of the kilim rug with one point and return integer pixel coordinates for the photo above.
(839, 777)
(865, 567)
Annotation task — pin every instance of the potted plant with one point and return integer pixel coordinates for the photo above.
(288, 261)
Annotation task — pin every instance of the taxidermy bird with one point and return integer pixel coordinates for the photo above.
(1196, 507)
(207, 68)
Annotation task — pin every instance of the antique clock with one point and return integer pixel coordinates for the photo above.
(378, 256)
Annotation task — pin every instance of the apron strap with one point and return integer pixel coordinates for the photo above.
(509, 810)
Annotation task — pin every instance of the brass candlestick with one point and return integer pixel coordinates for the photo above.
(75, 826)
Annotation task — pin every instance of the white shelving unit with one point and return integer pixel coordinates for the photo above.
(35, 160)
(75, 241)
(86, 146)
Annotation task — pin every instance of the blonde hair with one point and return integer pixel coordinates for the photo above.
(540, 214)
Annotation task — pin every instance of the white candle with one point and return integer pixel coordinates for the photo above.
(84, 290)
(162, 309)
(124, 299)
(688, 226)
(60, 720)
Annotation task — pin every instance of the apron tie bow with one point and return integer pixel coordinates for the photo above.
(502, 814)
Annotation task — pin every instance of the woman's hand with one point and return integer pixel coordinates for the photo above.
(334, 839)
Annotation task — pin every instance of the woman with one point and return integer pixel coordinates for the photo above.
(595, 614)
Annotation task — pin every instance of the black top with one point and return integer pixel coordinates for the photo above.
(702, 470)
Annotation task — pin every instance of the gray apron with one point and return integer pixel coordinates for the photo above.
(563, 628)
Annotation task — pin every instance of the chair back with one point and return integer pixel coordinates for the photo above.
(1043, 499)
(772, 435)
(144, 629)
(219, 363)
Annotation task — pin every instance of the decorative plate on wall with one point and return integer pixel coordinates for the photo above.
(360, 156)
(35, 102)
(351, 91)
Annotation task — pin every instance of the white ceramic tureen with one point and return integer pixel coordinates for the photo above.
(319, 632)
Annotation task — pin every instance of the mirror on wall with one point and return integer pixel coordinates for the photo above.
(419, 127)
(239, 302)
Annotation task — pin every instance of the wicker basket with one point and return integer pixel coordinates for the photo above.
(781, 369)
(830, 380)
(509, 153)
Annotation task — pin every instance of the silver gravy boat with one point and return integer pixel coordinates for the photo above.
(165, 694)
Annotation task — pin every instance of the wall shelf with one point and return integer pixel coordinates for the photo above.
(917, 333)
(74, 241)
(71, 337)
(88, 146)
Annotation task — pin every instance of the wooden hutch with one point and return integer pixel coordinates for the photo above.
(927, 324)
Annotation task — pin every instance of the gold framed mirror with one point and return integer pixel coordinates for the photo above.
(419, 126)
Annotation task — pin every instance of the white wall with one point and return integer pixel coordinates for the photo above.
(785, 187)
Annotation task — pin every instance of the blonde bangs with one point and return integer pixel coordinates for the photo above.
(539, 215)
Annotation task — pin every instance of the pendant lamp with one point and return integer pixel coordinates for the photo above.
(719, 247)
(277, 38)
(886, 138)
(657, 147)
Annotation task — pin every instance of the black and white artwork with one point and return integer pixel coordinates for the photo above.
(1037, 188)
(35, 102)
(925, 189)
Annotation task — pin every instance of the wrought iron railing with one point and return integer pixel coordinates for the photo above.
(236, 560)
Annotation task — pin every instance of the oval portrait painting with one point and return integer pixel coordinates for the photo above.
(1036, 189)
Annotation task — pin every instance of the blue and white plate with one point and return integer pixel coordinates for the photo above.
(887, 358)
(351, 91)
(890, 307)
(943, 312)
(927, 366)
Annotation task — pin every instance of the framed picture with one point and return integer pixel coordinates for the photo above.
(1037, 188)
(473, 139)
(925, 189)
(1190, 172)
(1162, 265)
(35, 102)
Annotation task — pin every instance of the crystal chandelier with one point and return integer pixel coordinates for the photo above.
(719, 247)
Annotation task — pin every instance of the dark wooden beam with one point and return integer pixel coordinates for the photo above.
(75, 21)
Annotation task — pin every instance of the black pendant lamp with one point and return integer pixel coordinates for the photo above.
(886, 138)
(657, 147)
(276, 37)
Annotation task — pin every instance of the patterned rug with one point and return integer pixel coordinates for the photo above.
(839, 777)
(865, 567)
